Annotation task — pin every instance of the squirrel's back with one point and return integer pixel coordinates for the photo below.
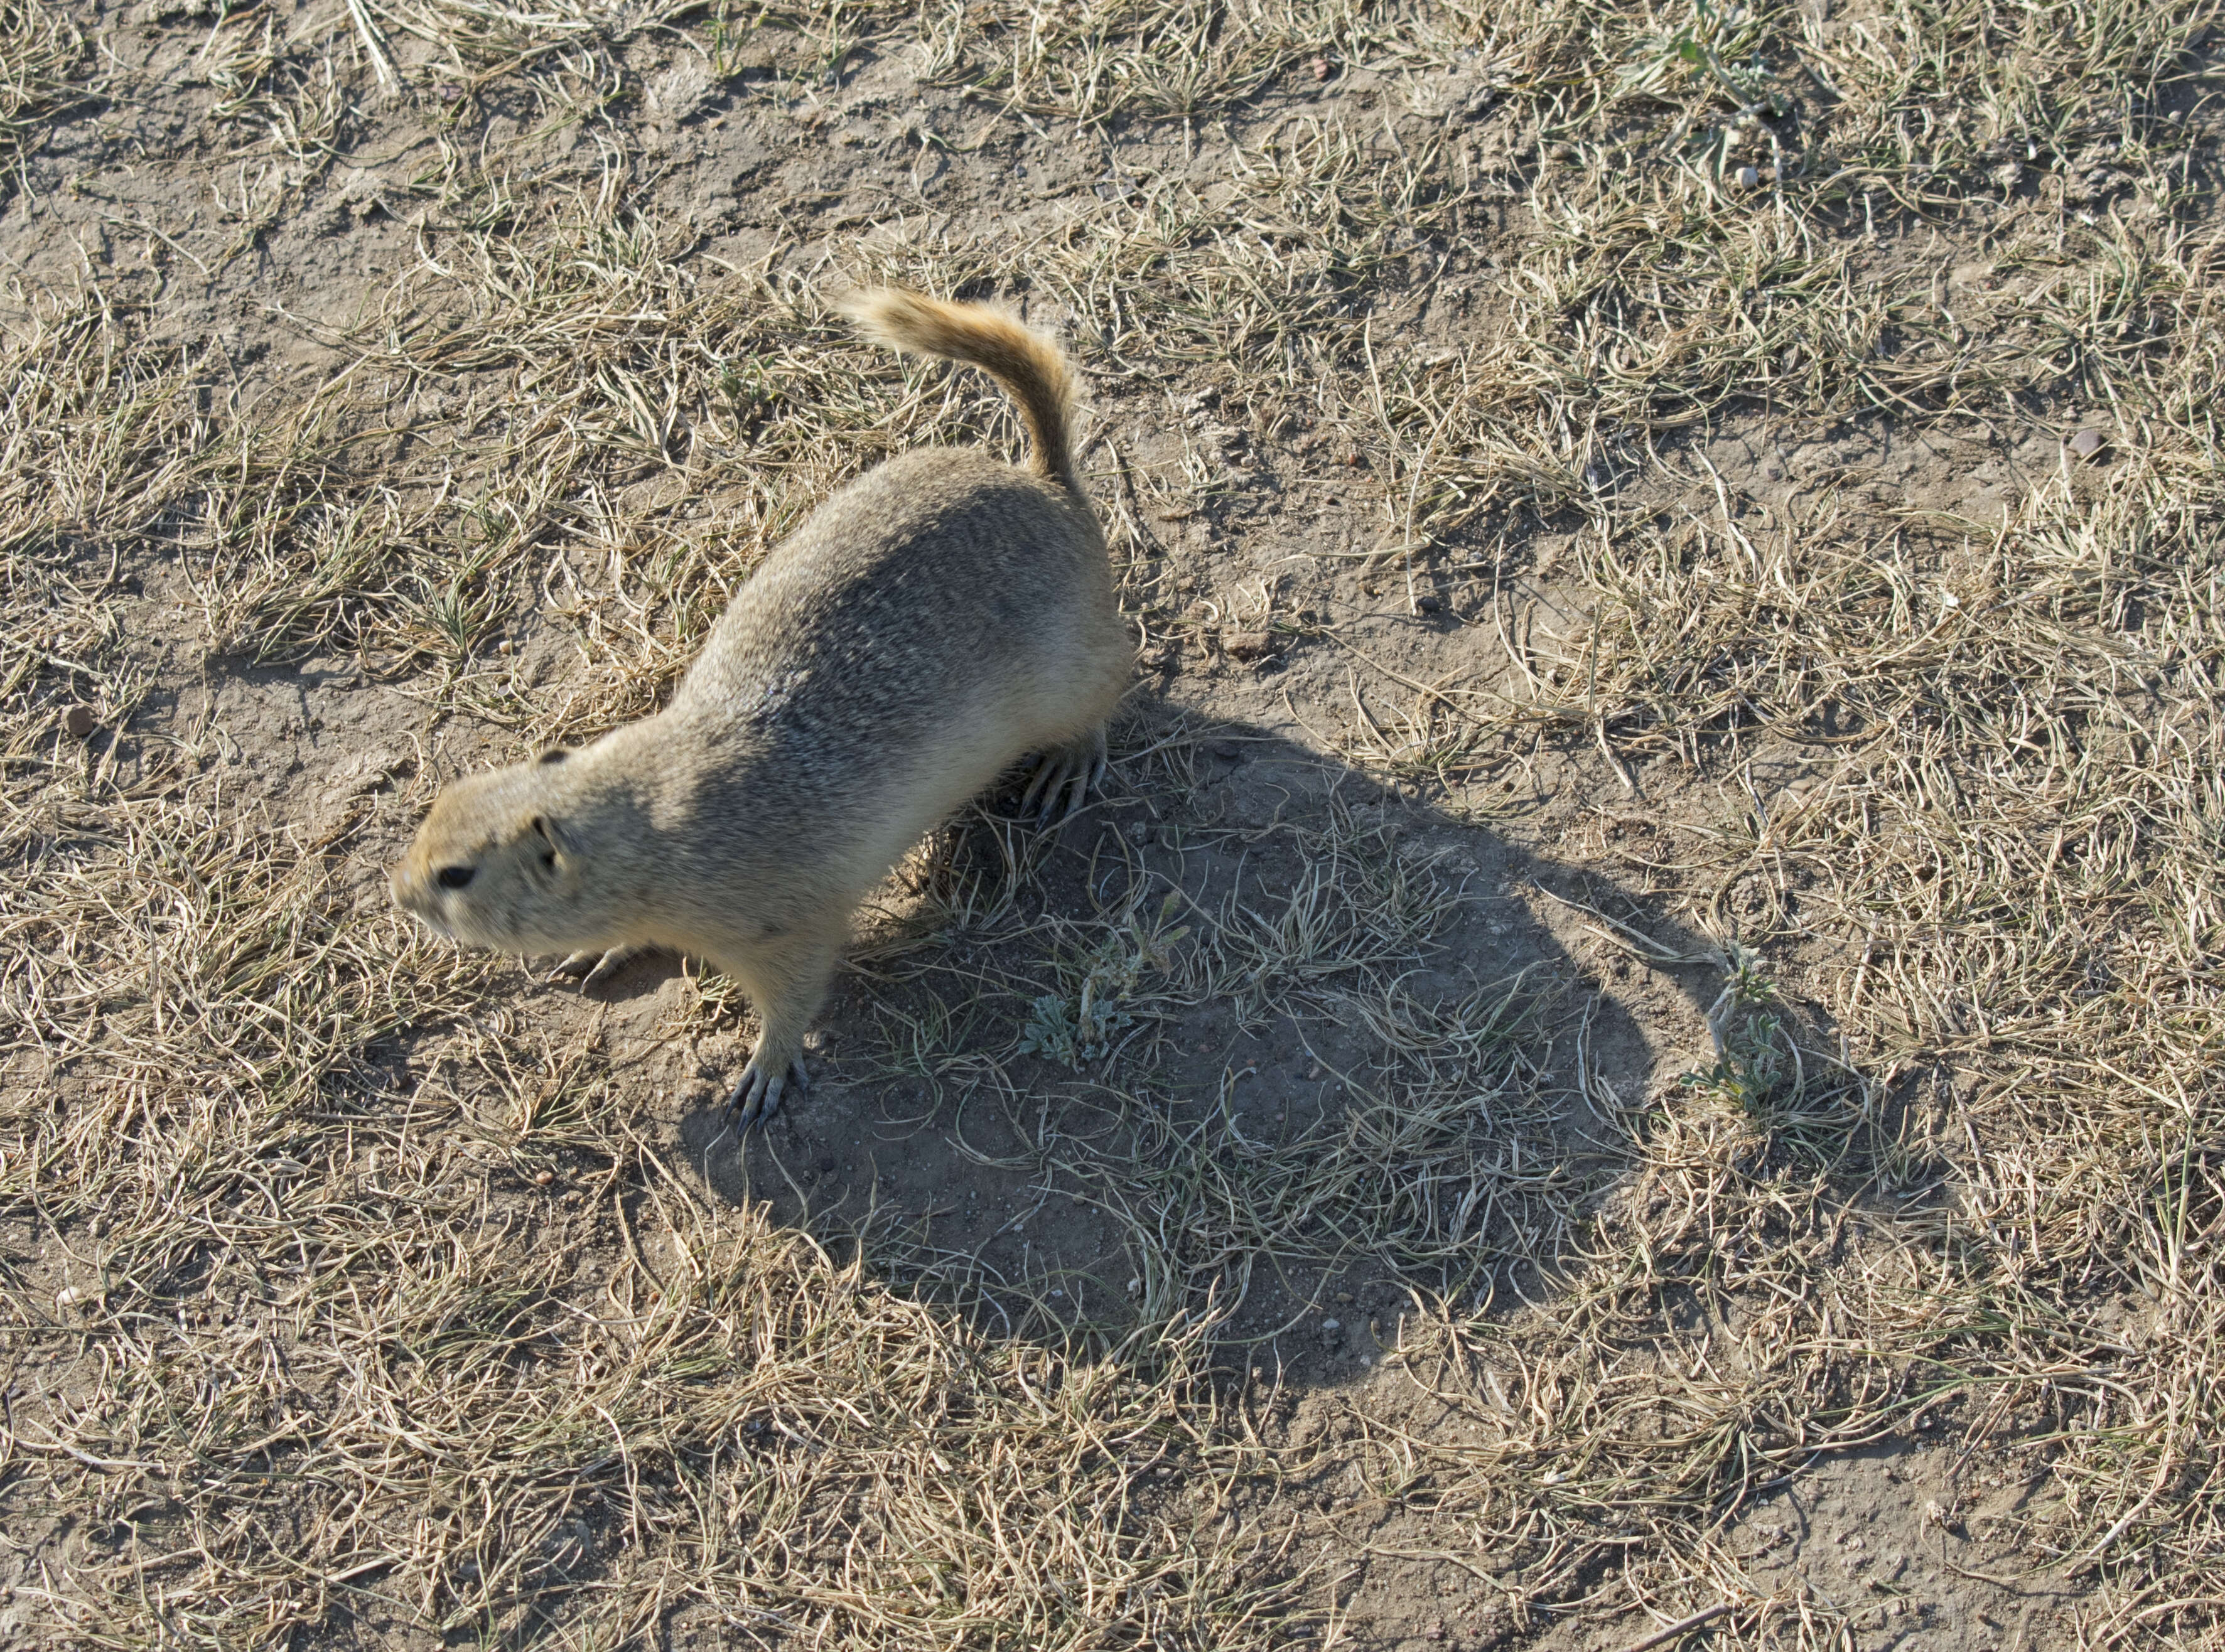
(932, 599)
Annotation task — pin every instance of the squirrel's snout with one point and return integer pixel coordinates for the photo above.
(412, 892)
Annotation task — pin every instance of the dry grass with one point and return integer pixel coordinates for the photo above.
(345, 1300)
(44, 74)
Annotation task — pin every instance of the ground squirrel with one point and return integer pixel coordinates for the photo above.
(933, 622)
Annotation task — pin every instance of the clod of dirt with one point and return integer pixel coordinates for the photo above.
(79, 722)
(2087, 443)
(359, 195)
(679, 91)
(1247, 645)
(1323, 68)
(1749, 178)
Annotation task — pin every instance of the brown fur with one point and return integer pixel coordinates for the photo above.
(931, 623)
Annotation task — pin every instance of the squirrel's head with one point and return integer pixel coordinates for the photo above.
(496, 864)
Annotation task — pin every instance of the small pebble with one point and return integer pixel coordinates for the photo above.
(1748, 177)
(542, 1178)
(78, 721)
(1322, 68)
(2087, 443)
(1332, 1325)
(506, 646)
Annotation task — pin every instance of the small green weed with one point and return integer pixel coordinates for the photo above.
(1079, 1024)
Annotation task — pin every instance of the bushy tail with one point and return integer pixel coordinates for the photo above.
(1033, 370)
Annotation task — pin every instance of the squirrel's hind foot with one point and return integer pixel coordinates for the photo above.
(1068, 772)
(756, 1095)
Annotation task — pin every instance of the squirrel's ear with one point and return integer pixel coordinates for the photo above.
(554, 754)
(555, 840)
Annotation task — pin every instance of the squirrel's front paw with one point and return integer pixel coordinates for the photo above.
(757, 1096)
(593, 967)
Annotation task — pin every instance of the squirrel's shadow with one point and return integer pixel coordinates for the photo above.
(1255, 1042)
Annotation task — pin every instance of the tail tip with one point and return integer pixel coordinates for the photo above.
(880, 312)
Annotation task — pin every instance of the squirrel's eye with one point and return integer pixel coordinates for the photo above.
(454, 878)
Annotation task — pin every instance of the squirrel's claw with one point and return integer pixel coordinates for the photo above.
(756, 1095)
(1068, 772)
(1045, 766)
(593, 967)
